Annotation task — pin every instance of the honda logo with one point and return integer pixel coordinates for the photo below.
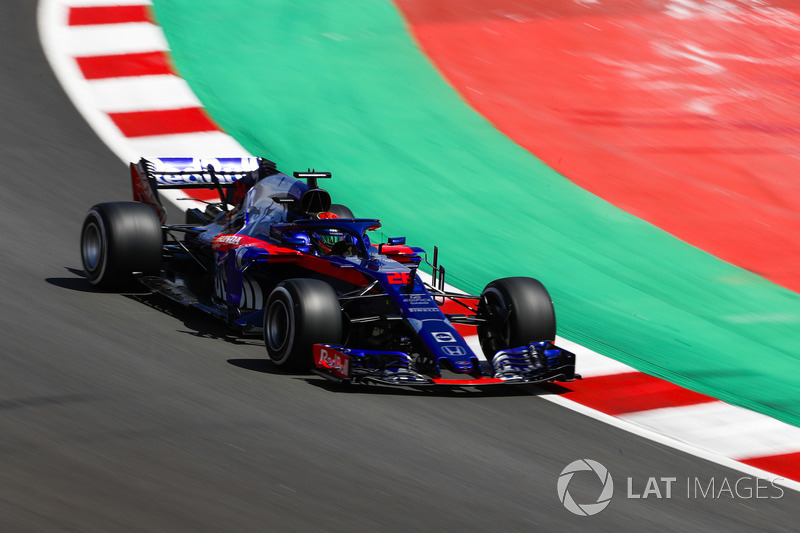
(454, 350)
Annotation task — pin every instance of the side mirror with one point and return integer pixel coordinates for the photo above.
(393, 241)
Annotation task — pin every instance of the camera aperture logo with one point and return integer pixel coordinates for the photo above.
(660, 488)
(585, 509)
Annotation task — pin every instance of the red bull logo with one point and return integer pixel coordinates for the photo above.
(332, 361)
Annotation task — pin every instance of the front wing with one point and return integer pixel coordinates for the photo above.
(535, 363)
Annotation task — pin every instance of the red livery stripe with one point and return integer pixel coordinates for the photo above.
(89, 16)
(786, 465)
(631, 392)
(163, 122)
(202, 195)
(468, 382)
(450, 307)
(124, 65)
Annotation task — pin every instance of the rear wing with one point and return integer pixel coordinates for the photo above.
(230, 176)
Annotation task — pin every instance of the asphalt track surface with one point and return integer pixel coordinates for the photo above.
(124, 413)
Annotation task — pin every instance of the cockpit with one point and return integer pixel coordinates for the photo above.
(341, 237)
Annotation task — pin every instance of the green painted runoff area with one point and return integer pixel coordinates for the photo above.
(341, 86)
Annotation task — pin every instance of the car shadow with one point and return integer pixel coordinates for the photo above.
(266, 366)
(79, 283)
(197, 323)
(73, 284)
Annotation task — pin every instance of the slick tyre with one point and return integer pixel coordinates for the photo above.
(118, 239)
(299, 314)
(516, 311)
(341, 211)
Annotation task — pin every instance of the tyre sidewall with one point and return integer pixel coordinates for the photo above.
(314, 315)
(531, 317)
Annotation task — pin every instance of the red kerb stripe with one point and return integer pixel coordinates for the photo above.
(166, 122)
(785, 465)
(631, 392)
(118, 66)
(88, 16)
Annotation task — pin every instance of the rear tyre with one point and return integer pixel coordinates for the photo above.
(517, 311)
(341, 211)
(118, 239)
(299, 314)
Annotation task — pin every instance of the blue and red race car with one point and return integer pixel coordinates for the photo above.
(274, 256)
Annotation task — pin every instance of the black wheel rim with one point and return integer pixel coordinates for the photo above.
(92, 247)
(496, 332)
(277, 329)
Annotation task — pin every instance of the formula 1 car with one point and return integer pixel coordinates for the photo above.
(273, 256)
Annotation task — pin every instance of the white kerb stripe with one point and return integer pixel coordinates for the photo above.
(111, 39)
(142, 93)
(104, 3)
(722, 428)
(202, 144)
(592, 364)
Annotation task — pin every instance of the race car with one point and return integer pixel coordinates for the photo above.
(272, 256)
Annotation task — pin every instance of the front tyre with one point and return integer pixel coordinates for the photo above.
(118, 239)
(517, 311)
(300, 313)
